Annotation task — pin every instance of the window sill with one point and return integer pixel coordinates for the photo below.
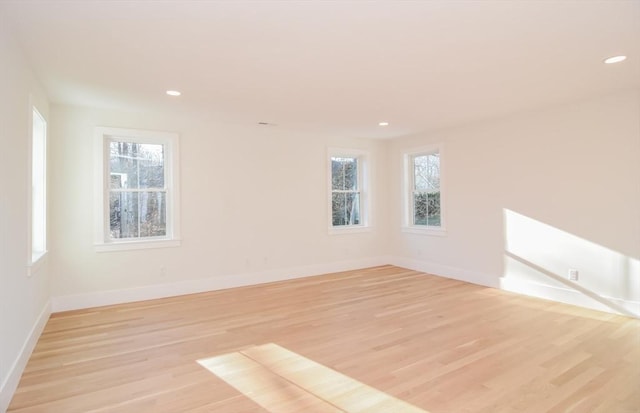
(436, 232)
(354, 229)
(37, 262)
(136, 245)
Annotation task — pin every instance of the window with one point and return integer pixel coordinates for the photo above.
(137, 189)
(424, 199)
(38, 188)
(348, 198)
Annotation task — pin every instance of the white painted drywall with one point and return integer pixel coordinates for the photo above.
(253, 200)
(532, 195)
(571, 168)
(23, 299)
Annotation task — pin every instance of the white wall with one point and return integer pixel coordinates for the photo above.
(24, 300)
(532, 195)
(528, 197)
(254, 209)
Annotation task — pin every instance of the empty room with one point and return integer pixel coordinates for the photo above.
(319, 206)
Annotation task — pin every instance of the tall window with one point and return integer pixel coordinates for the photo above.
(139, 187)
(38, 187)
(347, 188)
(424, 190)
(345, 191)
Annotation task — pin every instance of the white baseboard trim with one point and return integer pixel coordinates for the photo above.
(102, 298)
(445, 271)
(573, 297)
(524, 287)
(10, 384)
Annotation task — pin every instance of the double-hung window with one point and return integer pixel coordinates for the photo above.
(136, 188)
(424, 211)
(348, 194)
(38, 219)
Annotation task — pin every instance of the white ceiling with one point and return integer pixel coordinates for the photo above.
(335, 67)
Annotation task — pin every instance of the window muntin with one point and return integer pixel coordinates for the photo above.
(38, 187)
(137, 197)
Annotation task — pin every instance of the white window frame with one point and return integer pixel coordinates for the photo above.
(408, 186)
(363, 186)
(37, 223)
(102, 137)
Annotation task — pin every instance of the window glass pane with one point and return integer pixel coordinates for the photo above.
(344, 174)
(433, 172)
(136, 165)
(420, 164)
(137, 214)
(426, 170)
(153, 214)
(123, 164)
(420, 208)
(433, 209)
(426, 208)
(123, 214)
(151, 166)
(345, 208)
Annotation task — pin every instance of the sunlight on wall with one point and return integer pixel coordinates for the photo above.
(280, 380)
(538, 257)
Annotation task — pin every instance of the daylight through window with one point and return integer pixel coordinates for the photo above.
(345, 191)
(349, 195)
(426, 189)
(424, 206)
(137, 189)
(38, 187)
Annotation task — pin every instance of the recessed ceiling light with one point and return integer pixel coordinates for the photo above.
(614, 59)
(173, 93)
(383, 124)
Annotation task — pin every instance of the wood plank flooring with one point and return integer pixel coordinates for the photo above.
(441, 345)
(265, 373)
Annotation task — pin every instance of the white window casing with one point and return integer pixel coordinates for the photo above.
(424, 206)
(114, 187)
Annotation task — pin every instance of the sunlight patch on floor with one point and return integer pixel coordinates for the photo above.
(282, 381)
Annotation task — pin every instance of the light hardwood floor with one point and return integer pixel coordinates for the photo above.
(438, 344)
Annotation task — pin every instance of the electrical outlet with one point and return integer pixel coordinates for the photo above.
(573, 274)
